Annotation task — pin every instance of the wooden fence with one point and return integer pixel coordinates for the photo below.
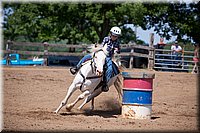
(157, 61)
(45, 53)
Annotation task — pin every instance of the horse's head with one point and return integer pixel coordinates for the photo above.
(99, 61)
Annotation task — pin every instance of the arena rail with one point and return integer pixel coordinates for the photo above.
(158, 59)
(166, 61)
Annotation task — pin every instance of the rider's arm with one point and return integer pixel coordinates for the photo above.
(105, 40)
(179, 49)
(117, 47)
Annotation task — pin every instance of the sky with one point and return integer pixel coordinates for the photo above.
(145, 36)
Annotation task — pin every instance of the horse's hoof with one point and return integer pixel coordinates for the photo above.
(68, 108)
(79, 108)
(91, 109)
(55, 112)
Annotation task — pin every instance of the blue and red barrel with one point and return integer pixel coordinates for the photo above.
(137, 95)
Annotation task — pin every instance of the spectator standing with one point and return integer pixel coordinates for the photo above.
(161, 44)
(176, 51)
(196, 59)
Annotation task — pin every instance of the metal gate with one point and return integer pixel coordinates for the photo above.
(166, 61)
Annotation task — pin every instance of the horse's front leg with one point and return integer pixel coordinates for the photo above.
(71, 89)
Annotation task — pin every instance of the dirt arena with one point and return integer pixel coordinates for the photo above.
(31, 94)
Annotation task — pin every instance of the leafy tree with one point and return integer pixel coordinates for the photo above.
(90, 23)
(76, 23)
(178, 19)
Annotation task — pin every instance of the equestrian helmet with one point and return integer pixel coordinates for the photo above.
(116, 31)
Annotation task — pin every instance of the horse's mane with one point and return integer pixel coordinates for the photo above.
(96, 47)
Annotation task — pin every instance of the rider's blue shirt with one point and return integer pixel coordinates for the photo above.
(111, 45)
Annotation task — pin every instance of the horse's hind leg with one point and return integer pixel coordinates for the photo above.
(118, 86)
(92, 105)
(71, 89)
(86, 101)
(81, 96)
(88, 98)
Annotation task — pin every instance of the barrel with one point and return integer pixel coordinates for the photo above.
(137, 95)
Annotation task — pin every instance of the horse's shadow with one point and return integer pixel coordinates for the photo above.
(102, 113)
(115, 113)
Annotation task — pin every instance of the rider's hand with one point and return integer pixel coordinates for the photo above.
(116, 51)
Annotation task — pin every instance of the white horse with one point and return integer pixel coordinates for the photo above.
(89, 79)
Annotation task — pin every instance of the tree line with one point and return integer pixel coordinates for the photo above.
(76, 23)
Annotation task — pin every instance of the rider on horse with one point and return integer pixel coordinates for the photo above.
(113, 45)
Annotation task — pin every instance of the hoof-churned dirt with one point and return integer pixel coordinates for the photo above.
(31, 94)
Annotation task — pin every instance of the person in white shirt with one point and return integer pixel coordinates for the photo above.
(176, 51)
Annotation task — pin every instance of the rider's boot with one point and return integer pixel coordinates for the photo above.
(74, 70)
(105, 87)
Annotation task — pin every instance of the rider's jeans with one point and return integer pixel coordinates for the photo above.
(85, 58)
(108, 64)
(109, 69)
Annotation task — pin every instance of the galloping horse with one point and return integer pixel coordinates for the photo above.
(89, 79)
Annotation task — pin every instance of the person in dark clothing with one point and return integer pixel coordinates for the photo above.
(161, 45)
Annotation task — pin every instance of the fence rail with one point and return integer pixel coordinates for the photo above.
(12, 43)
(169, 62)
(158, 59)
(45, 53)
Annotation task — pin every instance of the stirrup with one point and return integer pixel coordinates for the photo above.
(105, 88)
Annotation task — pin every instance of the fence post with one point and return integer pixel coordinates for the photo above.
(150, 58)
(131, 59)
(45, 53)
(183, 57)
(8, 46)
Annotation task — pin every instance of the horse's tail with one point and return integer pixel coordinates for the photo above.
(119, 88)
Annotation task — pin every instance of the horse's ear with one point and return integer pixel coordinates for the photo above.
(94, 47)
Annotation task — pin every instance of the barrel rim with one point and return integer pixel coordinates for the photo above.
(137, 104)
(138, 75)
(137, 89)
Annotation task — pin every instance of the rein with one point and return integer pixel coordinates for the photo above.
(84, 78)
(92, 77)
